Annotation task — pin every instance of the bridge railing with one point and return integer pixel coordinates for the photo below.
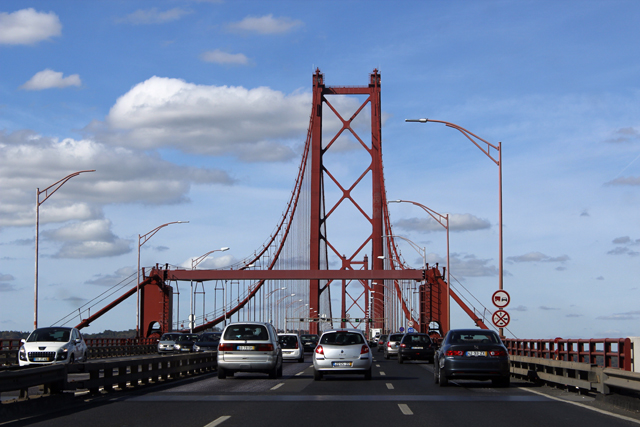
(603, 352)
(98, 348)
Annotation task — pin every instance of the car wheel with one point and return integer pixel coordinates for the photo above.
(444, 381)
(400, 360)
(386, 355)
(280, 371)
(367, 375)
(222, 374)
(72, 360)
(85, 357)
(436, 375)
(301, 360)
(273, 373)
(317, 375)
(501, 382)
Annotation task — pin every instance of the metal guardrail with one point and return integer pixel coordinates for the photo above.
(98, 348)
(605, 352)
(105, 375)
(584, 376)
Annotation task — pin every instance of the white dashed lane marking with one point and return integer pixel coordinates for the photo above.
(390, 386)
(277, 386)
(404, 408)
(218, 421)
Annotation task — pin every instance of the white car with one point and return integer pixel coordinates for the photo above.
(46, 346)
(292, 347)
(342, 351)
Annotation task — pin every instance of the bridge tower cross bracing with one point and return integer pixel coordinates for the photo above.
(353, 297)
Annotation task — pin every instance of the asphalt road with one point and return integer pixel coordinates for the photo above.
(398, 395)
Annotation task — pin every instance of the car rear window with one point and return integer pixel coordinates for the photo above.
(342, 338)
(288, 341)
(246, 332)
(395, 337)
(169, 337)
(306, 338)
(210, 337)
(416, 339)
(487, 337)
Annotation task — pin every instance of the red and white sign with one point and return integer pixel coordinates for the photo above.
(500, 318)
(500, 299)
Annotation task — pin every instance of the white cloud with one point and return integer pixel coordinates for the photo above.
(27, 26)
(465, 265)
(31, 161)
(121, 275)
(537, 257)
(625, 180)
(94, 249)
(219, 57)
(457, 222)
(48, 79)
(154, 16)
(252, 124)
(265, 25)
(88, 239)
(6, 277)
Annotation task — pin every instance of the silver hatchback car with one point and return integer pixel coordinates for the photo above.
(249, 347)
(393, 343)
(342, 351)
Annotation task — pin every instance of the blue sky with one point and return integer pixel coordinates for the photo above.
(198, 110)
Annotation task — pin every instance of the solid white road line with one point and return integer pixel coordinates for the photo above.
(404, 408)
(582, 405)
(277, 386)
(218, 421)
(390, 386)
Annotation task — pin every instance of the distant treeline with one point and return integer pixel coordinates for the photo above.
(16, 335)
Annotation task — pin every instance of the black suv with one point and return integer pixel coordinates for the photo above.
(416, 346)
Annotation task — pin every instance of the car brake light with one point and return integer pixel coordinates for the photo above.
(403, 345)
(497, 353)
(225, 347)
(264, 347)
(296, 344)
(454, 353)
(319, 350)
(364, 349)
(389, 344)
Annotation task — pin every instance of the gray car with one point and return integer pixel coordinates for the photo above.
(167, 342)
(391, 347)
(249, 347)
(342, 351)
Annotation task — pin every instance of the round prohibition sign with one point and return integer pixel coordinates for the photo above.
(501, 299)
(500, 318)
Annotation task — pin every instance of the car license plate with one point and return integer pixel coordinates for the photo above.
(476, 353)
(417, 348)
(40, 359)
(341, 364)
(246, 347)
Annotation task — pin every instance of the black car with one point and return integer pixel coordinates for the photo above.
(472, 354)
(416, 346)
(208, 342)
(185, 343)
(309, 341)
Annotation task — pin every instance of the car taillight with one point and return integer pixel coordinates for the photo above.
(296, 344)
(225, 347)
(264, 347)
(389, 344)
(319, 350)
(403, 345)
(364, 349)
(454, 353)
(497, 353)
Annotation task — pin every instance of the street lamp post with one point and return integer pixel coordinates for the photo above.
(194, 264)
(423, 254)
(267, 296)
(278, 304)
(443, 220)
(47, 194)
(287, 311)
(487, 151)
(142, 239)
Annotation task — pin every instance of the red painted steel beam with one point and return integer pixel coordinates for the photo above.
(204, 275)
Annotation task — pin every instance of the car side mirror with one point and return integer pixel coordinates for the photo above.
(22, 341)
(78, 340)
